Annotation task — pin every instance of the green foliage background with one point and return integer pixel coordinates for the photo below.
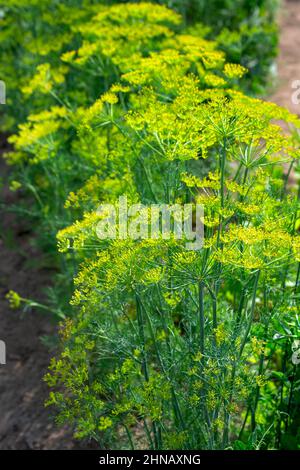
(245, 29)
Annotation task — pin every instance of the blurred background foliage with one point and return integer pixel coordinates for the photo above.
(245, 29)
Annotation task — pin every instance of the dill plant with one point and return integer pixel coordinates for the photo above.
(180, 344)
(166, 348)
(245, 30)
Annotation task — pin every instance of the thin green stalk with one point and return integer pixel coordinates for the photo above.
(251, 313)
(142, 337)
(261, 362)
(201, 318)
(129, 437)
(144, 355)
(222, 164)
(176, 407)
(244, 424)
(222, 171)
(227, 416)
(148, 434)
(240, 309)
(257, 393)
(281, 398)
(290, 396)
(214, 307)
(286, 179)
(297, 278)
(202, 341)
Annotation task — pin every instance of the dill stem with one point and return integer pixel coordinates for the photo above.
(214, 313)
(261, 365)
(244, 424)
(290, 396)
(257, 393)
(297, 278)
(142, 336)
(202, 340)
(176, 407)
(280, 407)
(222, 171)
(251, 313)
(201, 317)
(145, 364)
(227, 415)
(129, 437)
(239, 313)
(214, 307)
(286, 179)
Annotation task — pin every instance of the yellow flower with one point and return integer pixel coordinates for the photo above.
(234, 70)
(258, 346)
(104, 423)
(14, 299)
(45, 79)
(15, 185)
(110, 98)
(220, 334)
(153, 276)
(198, 357)
(261, 380)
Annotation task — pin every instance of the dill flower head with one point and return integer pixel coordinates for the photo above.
(14, 299)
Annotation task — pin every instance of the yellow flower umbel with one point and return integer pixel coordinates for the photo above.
(14, 299)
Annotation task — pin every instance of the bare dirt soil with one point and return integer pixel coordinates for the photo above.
(289, 57)
(24, 421)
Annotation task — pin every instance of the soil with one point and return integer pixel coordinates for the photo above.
(24, 421)
(288, 63)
